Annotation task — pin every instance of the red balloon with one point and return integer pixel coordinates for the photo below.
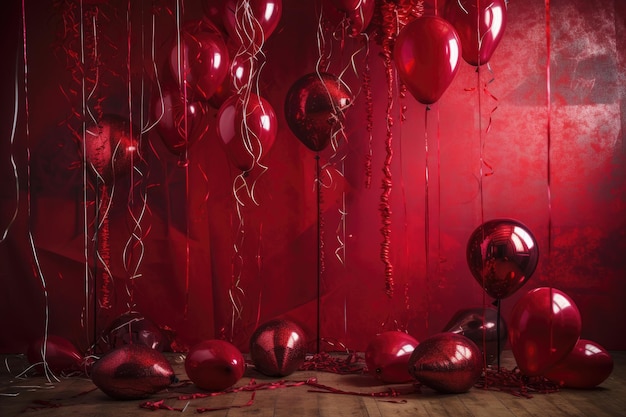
(480, 325)
(426, 54)
(446, 362)
(278, 348)
(60, 355)
(502, 255)
(586, 366)
(544, 327)
(314, 108)
(133, 328)
(251, 22)
(247, 128)
(387, 356)
(486, 19)
(110, 147)
(360, 18)
(238, 77)
(203, 63)
(132, 372)
(180, 125)
(354, 15)
(214, 365)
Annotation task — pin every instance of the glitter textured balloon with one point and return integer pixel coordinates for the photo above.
(314, 109)
(278, 348)
(214, 365)
(132, 372)
(387, 356)
(446, 362)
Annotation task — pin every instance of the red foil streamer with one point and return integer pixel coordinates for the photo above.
(388, 37)
(104, 249)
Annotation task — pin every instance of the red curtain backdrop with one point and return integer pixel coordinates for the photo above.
(195, 242)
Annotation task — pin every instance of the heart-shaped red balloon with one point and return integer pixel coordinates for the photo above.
(544, 327)
(586, 366)
(214, 365)
(132, 372)
(278, 348)
(387, 356)
(427, 53)
(480, 27)
(446, 362)
(60, 355)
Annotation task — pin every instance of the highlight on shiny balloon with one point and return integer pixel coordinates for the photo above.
(387, 356)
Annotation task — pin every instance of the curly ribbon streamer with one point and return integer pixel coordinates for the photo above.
(389, 30)
(369, 117)
(12, 157)
(514, 383)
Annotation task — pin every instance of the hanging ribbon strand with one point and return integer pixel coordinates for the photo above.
(38, 272)
(4, 234)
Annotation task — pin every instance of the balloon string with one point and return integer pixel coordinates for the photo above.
(12, 156)
(426, 213)
(389, 29)
(89, 290)
(548, 162)
(369, 103)
(236, 292)
(38, 272)
(320, 251)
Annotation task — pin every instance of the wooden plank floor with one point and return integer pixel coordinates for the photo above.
(76, 396)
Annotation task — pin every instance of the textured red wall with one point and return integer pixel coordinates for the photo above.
(191, 223)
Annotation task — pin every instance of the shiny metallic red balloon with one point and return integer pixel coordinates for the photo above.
(132, 372)
(480, 325)
(427, 53)
(199, 61)
(586, 366)
(278, 348)
(473, 19)
(387, 356)
(133, 328)
(60, 355)
(247, 129)
(314, 109)
(214, 365)
(251, 22)
(446, 362)
(544, 327)
(502, 255)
